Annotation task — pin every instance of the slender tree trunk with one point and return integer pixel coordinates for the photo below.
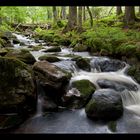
(49, 14)
(129, 15)
(84, 13)
(118, 10)
(54, 14)
(72, 19)
(63, 12)
(80, 16)
(90, 14)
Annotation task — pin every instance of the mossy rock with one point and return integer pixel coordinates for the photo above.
(79, 94)
(83, 64)
(76, 57)
(112, 125)
(17, 86)
(80, 48)
(37, 48)
(106, 104)
(10, 121)
(3, 52)
(49, 58)
(53, 49)
(84, 86)
(15, 41)
(23, 55)
(134, 71)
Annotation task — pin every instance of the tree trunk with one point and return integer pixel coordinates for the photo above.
(90, 14)
(80, 16)
(129, 17)
(119, 10)
(84, 13)
(63, 12)
(54, 14)
(49, 14)
(72, 19)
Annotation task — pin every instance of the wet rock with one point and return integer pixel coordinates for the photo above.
(83, 64)
(3, 52)
(53, 49)
(67, 65)
(49, 58)
(49, 105)
(106, 104)
(8, 121)
(134, 72)
(23, 55)
(7, 37)
(118, 86)
(79, 94)
(17, 87)
(52, 79)
(107, 65)
(80, 48)
(36, 48)
(16, 41)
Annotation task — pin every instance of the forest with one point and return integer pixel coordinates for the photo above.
(69, 69)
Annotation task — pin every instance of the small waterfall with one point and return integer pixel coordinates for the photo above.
(131, 101)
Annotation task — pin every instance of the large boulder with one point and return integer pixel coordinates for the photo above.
(67, 65)
(7, 37)
(17, 87)
(106, 104)
(79, 94)
(49, 58)
(118, 86)
(107, 65)
(83, 64)
(23, 55)
(52, 79)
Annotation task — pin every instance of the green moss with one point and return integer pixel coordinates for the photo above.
(3, 52)
(84, 86)
(23, 55)
(89, 107)
(83, 63)
(49, 58)
(80, 48)
(112, 126)
(53, 49)
(7, 74)
(37, 48)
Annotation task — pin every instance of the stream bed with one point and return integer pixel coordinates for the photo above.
(75, 120)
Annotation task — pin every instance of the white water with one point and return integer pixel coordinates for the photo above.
(130, 99)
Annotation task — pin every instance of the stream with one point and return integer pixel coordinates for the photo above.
(75, 120)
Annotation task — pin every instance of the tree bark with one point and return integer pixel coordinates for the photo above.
(118, 10)
(90, 14)
(129, 17)
(84, 13)
(63, 12)
(72, 19)
(54, 14)
(80, 16)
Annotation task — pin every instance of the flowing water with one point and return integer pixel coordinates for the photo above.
(75, 120)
